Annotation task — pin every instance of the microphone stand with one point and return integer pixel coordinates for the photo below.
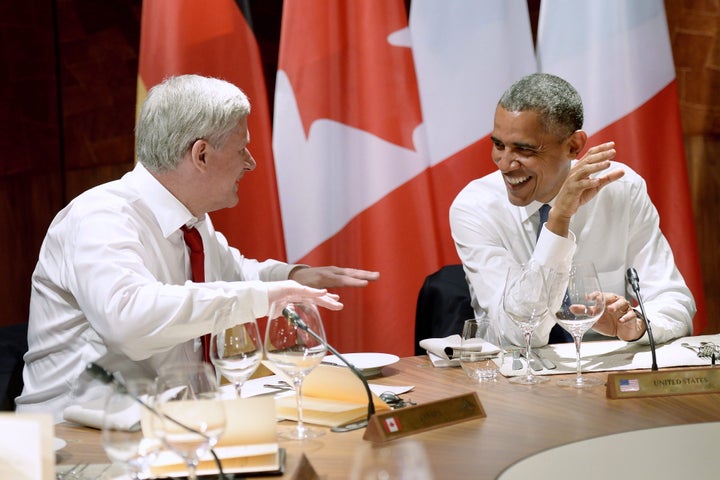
(295, 319)
(634, 281)
(99, 373)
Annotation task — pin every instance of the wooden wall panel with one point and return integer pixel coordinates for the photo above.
(30, 167)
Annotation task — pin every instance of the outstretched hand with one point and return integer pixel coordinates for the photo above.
(331, 277)
(290, 290)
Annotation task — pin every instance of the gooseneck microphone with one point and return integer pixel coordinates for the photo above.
(634, 281)
(295, 319)
(101, 374)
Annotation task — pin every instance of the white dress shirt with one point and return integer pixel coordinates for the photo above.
(616, 230)
(111, 285)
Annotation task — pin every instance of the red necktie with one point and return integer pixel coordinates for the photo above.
(197, 264)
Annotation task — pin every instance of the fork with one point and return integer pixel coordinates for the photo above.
(73, 473)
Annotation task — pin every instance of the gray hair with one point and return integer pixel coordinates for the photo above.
(558, 103)
(181, 110)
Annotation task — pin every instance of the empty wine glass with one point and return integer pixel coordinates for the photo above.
(127, 445)
(192, 417)
(235, 351)
(295, 352)
(525, 301)
(583, 305)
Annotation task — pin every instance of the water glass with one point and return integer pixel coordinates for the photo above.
(129, 447)
(479, 349)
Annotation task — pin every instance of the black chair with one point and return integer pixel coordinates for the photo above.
(443, 305)
(13, 345)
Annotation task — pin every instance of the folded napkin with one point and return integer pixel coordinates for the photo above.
(443, 352)
(91, 413)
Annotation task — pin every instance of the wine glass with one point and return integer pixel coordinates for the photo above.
(235, 351)
(191, 416)
(525, 301)
(129, 447)
(583, 305)
(295, 351)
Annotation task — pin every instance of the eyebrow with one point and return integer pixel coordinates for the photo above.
(527, 146)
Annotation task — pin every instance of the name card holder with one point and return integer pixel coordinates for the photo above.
(420, 418)
(663, 383)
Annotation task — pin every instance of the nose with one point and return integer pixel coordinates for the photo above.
(506, 161)
(250, 162)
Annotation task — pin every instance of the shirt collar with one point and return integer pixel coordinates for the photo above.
(531, 209)
(169, 212)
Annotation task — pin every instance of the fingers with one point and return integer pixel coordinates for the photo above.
(289, 290)
(360, 274)
(331, 277)
(627, 324)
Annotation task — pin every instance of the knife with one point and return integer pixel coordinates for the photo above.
(534, 362)
(516, 363)
(547, 363)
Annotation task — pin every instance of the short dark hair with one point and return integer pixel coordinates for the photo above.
(557, 102)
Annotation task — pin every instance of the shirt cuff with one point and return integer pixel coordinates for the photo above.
(552, 249)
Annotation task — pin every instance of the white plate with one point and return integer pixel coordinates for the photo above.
(58, 443)
(369, 364)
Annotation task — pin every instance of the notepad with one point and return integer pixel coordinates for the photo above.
(26, 446)
(248, 445)
(332, 396)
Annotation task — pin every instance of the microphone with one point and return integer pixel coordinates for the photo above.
(295, 319)
(101, 374)
(634, 281)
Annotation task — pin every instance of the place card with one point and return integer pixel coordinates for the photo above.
(420, 418)
(658, 383)
(26, 446)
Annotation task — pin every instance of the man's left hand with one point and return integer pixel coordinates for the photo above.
(332, 277)
(619, 319)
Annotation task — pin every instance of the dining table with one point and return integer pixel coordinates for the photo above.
(519, 422)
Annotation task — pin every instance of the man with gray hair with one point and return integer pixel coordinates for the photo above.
(113, 279)
(599, 211)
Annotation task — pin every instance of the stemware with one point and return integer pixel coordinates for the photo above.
(295, 352)
(525, 302)
(480, 352)
(192, 417)
(129, 447)
(583, 305)
(236, 351)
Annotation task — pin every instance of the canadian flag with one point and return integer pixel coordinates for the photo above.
(378, 124)
(212, 38)
(617, 54)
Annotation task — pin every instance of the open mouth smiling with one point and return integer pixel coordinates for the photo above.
(515, 181)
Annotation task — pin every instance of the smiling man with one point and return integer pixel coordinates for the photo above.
(113, 279)
(599, 212)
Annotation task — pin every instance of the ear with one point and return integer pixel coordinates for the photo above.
(198, 153)
(576, 142)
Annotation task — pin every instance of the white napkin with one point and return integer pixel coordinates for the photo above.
(92, 412)
(442, 351)
(441, 347)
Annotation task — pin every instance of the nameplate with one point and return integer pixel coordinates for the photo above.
(420, 418)
(660, 383)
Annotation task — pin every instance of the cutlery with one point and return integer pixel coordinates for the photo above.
(534, 363)
(547, 363)
(73, 473)
(516, 363)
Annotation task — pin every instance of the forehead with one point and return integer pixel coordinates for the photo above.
(513, 127)
(240, 135)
